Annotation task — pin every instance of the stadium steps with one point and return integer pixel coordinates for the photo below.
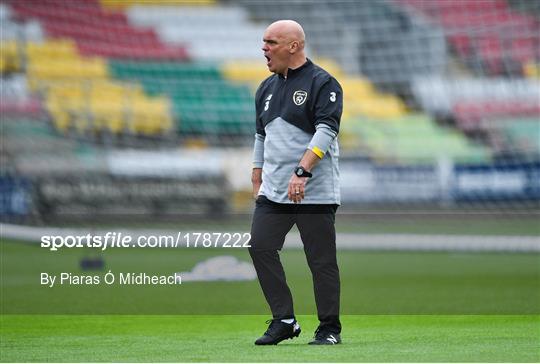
(374, 38)
(476, 115)
(225, 108)
(361, 97)
(96, 31)
(81, 96)
(203, 100)
(515, 136)
(9, 30)
(498, 54)
(24, 136)
(413, 138)
(201, 26)
(211, 33)
(77, 89)
(523, 134)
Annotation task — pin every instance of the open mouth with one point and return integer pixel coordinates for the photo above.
(267, 59)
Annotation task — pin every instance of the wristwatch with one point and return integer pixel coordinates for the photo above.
(301, 172)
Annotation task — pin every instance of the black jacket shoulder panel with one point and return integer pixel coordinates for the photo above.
(309, 96)
(260, 104)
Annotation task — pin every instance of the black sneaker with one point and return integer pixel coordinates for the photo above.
(323, 337)
(278, 331)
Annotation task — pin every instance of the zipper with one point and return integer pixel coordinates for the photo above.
(282, 94)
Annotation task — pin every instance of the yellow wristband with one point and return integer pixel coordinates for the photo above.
(317, 151)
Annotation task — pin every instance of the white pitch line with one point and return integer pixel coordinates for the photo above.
(430, 242)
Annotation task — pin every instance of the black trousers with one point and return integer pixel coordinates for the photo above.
(271, 223)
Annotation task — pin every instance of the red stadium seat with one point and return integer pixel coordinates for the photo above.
(470, 115)
(515, 39)
(98, 32)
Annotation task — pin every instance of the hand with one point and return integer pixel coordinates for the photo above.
(256, 188)
(256, 181)
(296, 190)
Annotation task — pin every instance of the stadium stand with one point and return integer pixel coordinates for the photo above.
(198, 91)
(77, 90)
(96, 31)
(514, 136)
(80, 95)
(203, 100)
(411, 139)
(374, 38)
(438, 95)
(488, 108)
(392, 47)
(426, 83)
(508, 40)
(16, 99)
(490, 38)
(209, 33)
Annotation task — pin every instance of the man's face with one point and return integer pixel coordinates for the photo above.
(276, 51)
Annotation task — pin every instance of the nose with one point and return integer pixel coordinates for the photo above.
(265, 47)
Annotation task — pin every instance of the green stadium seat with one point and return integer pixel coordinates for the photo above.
(203, 101)
(523, 134)
(412, 139)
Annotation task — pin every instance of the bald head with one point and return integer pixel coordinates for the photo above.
(289, 30)
(283, 48)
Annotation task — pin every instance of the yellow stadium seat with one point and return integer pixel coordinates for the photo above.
(60, 118)
(64, 48)
(10, 59)
(151, 116)
(329, 65)
(81, 97)
(108, 115)
(42, 72)
(356, 87)
(245, 71)
(361, 98)
(532, 69)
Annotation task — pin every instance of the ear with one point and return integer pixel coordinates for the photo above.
(293, 47)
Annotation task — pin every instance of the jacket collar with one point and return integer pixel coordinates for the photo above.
(293, 72)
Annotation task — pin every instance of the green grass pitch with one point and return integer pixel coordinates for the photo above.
(397, 306)
(370, 338)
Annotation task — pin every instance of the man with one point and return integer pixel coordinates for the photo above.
(296, 181)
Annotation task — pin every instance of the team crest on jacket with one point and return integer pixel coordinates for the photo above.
(299, 97)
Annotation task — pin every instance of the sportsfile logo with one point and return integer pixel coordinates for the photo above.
(109, 240)
(125, 240)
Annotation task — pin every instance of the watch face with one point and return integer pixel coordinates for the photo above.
(299, 171)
